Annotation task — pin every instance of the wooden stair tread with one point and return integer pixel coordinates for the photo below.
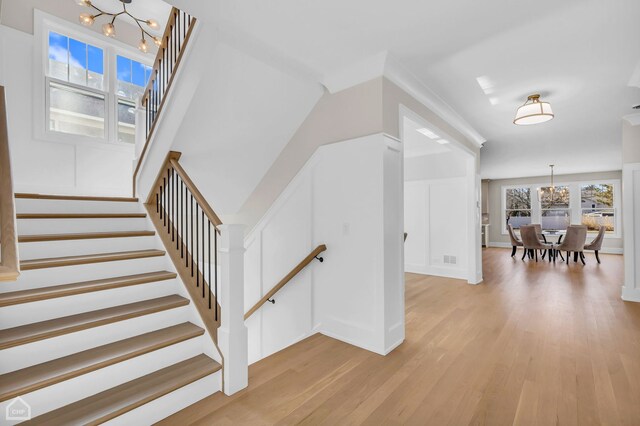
(44, 293)
(83, 236)
(84, 259)
(74, 197)
(80, 215)
(56, 327)
(116, 401)
(48, 373)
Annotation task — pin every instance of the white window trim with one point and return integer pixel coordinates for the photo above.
(43, 23)
(575, 200)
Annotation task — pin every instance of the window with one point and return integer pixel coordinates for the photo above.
(518, 207)
(597, 203)
(554, 206)
(87, 97)
(132, 79)
(80, 107)
(593, 204)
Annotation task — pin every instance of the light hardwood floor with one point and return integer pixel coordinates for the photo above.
(535, 344)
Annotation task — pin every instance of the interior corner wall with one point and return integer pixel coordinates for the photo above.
(357, 294)
(91, 168)
(436, 223)
(341, 116)
(394, 96)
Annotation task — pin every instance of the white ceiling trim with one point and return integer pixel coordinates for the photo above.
(408, 82)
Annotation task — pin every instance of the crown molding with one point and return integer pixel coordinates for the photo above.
(403, 78)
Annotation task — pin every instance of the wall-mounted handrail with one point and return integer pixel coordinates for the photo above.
(174, 40)
(295, 271)
(9, 265)
(187, 225)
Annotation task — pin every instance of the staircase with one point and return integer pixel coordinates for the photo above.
(98, 325)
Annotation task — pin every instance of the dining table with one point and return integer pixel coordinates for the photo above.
(554, 236)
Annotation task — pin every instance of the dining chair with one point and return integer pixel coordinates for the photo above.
(515, 241)
(574, 241)
(532, 243)
(596, 244)
(541, 236)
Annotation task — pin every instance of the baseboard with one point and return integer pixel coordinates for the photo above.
(605, 250)
(437, 271)
(630, 294)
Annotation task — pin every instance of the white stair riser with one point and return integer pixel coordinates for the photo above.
(47, 249)
(169, 404)
(77, 226)
(45, 277)
(69, 391)
(25, 205)
(27, 313)
(41, 351)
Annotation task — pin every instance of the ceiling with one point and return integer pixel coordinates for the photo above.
(417, 144)
(482, 58)
(142, 9)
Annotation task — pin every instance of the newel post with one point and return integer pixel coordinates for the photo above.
(232, 334)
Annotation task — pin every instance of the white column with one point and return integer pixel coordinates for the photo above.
(631, 228)
(232, 334)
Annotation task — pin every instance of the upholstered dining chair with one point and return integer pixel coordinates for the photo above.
(541, 236)
(515, 241)
(596, 244)
(574, 241)
(532, 243)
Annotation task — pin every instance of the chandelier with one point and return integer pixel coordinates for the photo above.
(533, 112)
(109, 29)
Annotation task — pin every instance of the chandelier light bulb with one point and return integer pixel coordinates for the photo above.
(83, 2)
(152, 23)
(87, 19)
(109, 29)
(143, 46)
(157, 41)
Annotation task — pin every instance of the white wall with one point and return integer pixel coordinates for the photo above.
(347, 196)
(435, 216)
(631, 206)
(53, 167)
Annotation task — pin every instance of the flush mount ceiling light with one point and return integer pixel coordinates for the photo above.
(109, 29)
(533, 112)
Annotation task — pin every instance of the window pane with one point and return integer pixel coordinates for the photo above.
(124, 68)
(556, 219)
(58, 56)
(138, 74)
(517, 218)
(518, 199)
(95, 58)
(557, 197)
(595, 218)
(76, 111)
(77, 62)
(597, 196)
(126, 121)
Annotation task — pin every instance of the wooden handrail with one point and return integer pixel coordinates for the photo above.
(299, 267)
(174, 40)
(178, 210)
(172, 159)
(9, 265)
